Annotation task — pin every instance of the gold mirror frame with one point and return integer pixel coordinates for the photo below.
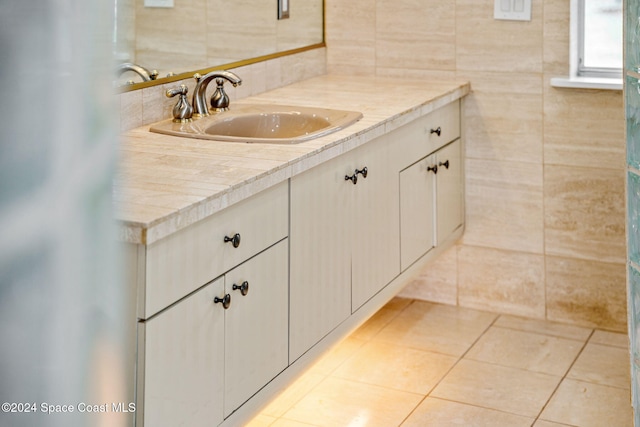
(189, 74)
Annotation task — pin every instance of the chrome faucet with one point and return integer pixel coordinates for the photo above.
(139, 70)
(219, 100)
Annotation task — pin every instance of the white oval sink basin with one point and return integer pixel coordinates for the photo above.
(279, 124)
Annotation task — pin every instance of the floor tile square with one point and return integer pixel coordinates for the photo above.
(337, 402)
(525, 350)
(604, 365)
(434, 412)
(497, 387)
(614, 339)
(443, 329)
(544, 327)
(583, 404)
(399, 368)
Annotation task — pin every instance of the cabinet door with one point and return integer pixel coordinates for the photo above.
(320, 257)
(257, 325)
(183, 362)
(375, 255)
(449, 190)
(417, 210)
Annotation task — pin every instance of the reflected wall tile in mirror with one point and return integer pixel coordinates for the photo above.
(228, 41)
(167, 38)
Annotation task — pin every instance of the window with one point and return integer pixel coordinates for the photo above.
(599, 50)
(596, 45)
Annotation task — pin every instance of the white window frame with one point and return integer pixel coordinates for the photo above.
(579, 76)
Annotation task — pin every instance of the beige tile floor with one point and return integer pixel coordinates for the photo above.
(416, 363)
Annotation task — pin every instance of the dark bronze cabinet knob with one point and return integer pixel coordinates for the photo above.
(437, 131)
(235, 240)
(225, 301)
(364, 172)
(445, 164)
(243, 288)
(353, 178)
(433, 168)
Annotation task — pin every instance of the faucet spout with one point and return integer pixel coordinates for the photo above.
(221, 102)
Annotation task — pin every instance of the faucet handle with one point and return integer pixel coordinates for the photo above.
(182, 111)
(220, 99)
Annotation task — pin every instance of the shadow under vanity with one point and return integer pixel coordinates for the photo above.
(251, 260)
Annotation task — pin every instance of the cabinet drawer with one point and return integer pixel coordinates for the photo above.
(186, 260)
(427, 134)
(444, 125)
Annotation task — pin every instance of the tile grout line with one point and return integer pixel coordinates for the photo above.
(564, 376)
(450, 369)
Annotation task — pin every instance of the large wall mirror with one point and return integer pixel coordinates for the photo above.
(179, 37)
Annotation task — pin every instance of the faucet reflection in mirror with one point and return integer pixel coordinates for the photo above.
(144, 73)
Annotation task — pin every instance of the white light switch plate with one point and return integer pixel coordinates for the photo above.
(512, 10)
(158, 3)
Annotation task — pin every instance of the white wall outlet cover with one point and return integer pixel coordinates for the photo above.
(158, 3)
(512, 10)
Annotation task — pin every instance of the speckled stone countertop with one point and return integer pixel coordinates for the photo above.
(165, 183)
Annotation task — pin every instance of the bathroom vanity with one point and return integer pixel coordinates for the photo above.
(248, 261)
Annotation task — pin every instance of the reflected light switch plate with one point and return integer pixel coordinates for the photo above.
(512, 10)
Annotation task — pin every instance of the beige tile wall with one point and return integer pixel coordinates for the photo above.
(544, 166)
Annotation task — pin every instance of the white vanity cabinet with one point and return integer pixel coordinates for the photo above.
(197, 360)
(256, 324)
(344, 239)
(431, 189)
(202, 361)
(449, 194)
(431, 202)
(181, 362)
(231, 308)
(417, 210)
